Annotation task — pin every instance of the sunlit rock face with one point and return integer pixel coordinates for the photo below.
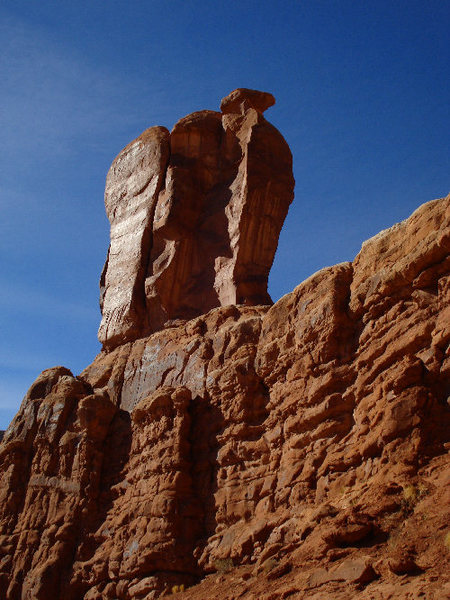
(195, 217)
(133, 185)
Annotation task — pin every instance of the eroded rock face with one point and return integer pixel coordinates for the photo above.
(298, 450)
(195, 217)
(133, 185)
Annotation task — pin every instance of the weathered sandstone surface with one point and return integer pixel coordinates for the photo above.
(195, 217)
(298, 450)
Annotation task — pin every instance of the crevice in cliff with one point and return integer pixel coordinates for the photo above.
(103, 280)
(148, 243)
(207, 423)
(95, 505)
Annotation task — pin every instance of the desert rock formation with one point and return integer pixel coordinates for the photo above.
(298, 450)
(195, 217)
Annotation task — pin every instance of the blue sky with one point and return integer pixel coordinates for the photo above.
(362, 90)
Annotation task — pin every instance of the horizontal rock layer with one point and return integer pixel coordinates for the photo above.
(268, 451)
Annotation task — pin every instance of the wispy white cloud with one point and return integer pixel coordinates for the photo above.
(11, 198)
(24, 362)
(24, 299)
(11, 393)
(53, 95)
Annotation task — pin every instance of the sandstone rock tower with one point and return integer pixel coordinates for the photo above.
(195, 217)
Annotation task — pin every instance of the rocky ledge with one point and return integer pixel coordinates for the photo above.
(261, 452)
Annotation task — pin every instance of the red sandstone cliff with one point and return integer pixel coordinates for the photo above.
(290, 451)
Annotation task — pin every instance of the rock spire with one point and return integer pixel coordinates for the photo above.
(195, 217)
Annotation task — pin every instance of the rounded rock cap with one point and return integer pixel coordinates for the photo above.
(260, 101)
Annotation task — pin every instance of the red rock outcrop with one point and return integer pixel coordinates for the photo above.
(298, 450)
(195, 217)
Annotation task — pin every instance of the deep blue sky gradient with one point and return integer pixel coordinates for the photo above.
(362, 90)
